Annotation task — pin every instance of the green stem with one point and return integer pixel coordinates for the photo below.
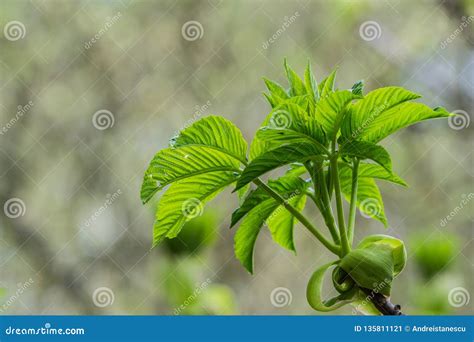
(300, 217)
(316, 170)
(331, 183)
(352, 210)
(340, 210)
(311, 194)
(326, 204)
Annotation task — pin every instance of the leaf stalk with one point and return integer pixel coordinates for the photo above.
(300, 217)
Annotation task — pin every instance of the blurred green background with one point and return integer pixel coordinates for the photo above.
(90, 90)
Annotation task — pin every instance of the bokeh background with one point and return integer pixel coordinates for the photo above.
(74, 236)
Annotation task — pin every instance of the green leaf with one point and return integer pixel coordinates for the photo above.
(314, 292)
(254, 198)
(397, 247)
(214, 131)
(185, 200)
(281, 221)
(371, 267)
(297, 87)
(370, 171)
(246, 236)
(273, 100)
(296, 169)
(384, 111)
(358, 88)
(330, 110)
(289, 123)
(399, 117)
(327, 85)
(277, 118)
(367, 150)
(276, 90)
(369, 200)
(287, 185)
(297, 152)
(173, 164)
(242, 193)
(311, 84)
(210, 144)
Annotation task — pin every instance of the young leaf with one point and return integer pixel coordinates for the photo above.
(397, 247)
(287, 185)
(214, 131)
(279, 117)
(366, 150)
(399, 117)
(327, 85)
(297, 152)
(273, 100)
(172, 164)
(254, 198)
(246, 236)
(357, 88)
(242, 193)
(289, 123)
(370, 171)
(314, 292)
(383, 111)
(275, 89)
(330, 110)
(297, 87)
(184, 200)
(200, 148)
(311, 84)
(281, 221)
(370, 267)
(369, 199)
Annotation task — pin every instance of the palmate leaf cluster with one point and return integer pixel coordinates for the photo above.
(316, 133)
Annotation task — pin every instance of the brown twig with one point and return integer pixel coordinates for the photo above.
(383, 303)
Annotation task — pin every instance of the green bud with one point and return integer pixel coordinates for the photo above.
(341, 280)
(399, 253)
(371, 267)
(314, 289)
